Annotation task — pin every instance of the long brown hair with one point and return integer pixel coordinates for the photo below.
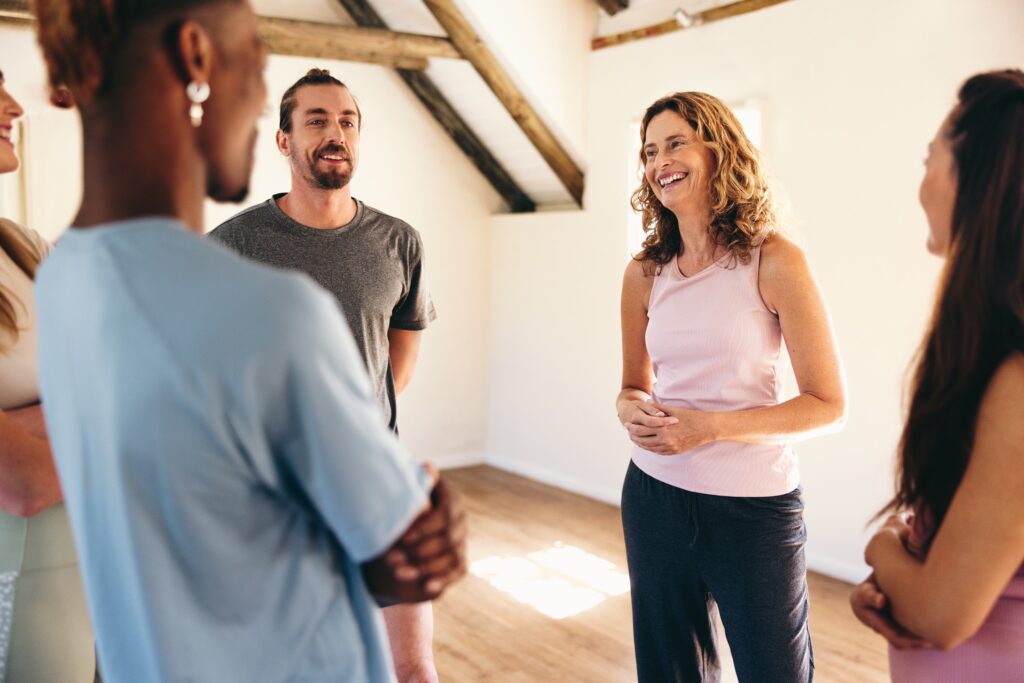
(743, 211)
(978, 320)
(27, 258)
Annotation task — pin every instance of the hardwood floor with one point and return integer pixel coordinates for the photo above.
(485, 632)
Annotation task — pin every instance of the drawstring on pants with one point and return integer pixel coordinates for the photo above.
(693, 515)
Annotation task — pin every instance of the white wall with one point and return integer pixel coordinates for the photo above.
(853, 92)
(409, 168)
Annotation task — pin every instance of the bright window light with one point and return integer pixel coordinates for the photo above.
(558, 582)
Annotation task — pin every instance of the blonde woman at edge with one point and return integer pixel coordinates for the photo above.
(44, 625)
(711, 504)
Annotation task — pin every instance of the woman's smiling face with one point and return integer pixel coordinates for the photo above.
(677, 165)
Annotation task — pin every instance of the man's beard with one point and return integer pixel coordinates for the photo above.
(334, 179)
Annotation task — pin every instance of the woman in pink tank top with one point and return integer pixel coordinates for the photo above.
(711, 504)
(948, 585)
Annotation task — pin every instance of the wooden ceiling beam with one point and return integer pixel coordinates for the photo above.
(16, 22)
(16, 14)
(733, 9)
(354, 43)
(442, 110)
(473, 49)
(613, 6)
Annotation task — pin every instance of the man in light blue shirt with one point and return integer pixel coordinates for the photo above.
(224, 460)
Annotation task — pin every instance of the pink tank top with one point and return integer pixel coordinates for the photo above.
(715, 346)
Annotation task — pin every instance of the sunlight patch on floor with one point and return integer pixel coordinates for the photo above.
(559, 582)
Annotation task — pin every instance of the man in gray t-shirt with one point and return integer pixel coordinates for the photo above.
(371, 262)
(373, 265)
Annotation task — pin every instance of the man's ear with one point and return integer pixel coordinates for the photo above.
(284, 143)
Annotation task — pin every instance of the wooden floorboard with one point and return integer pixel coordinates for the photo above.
(485, 634)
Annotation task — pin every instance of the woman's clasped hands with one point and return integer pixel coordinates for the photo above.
(666, 430)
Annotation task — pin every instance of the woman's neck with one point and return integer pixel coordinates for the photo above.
(697, 246)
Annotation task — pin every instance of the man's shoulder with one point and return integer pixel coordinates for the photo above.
(254, 216)
(392, 223)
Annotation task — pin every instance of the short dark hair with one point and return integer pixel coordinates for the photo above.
(312, 77)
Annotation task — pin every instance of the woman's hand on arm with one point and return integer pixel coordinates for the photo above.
(871, 608)
(672, 430)
(980, 544)
(28, 478)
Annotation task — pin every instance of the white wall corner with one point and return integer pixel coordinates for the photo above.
(544, 475)
(837, 569)
(451, 461)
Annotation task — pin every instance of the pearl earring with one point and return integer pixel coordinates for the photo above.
(197, 94)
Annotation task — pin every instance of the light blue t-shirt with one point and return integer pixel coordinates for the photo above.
(225, 464)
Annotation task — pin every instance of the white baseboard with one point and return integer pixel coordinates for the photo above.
(837, 569)
(450, 461)
(556, 479)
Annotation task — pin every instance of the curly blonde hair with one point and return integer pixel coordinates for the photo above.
(743, 210)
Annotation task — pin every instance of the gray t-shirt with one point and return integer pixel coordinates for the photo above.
(373, 266)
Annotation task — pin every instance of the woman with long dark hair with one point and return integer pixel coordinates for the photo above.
(948, 583)
(711, 505)
(44, 626)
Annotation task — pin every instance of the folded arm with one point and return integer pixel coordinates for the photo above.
(980, 544)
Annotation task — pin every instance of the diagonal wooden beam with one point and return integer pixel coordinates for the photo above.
(473, 49)
(733, 9)
(613, 6)
(442, 110)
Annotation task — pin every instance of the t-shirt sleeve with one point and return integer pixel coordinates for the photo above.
(416, 310)
(335, 443)
(224, 234)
